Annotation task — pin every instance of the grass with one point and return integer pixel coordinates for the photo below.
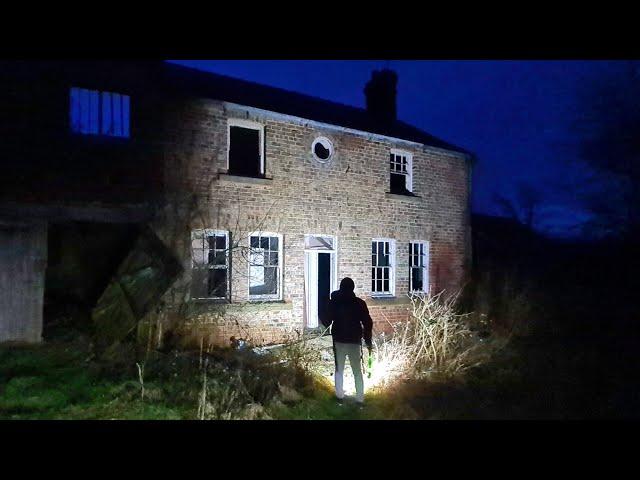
(54, 381)
(61, 380)
(529, 380)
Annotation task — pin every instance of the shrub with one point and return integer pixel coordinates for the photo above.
(435, 340)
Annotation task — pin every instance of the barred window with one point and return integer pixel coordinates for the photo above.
(382, 267)
(419, 266)
(265, 266)
(210, 264)
(94, 112)
(401, 172)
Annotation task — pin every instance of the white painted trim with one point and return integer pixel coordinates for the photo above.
(279, 295)
(311, 287)
(409, 156)
(239, 122)
(334, 237)
(426, 282)
(236, 108)
(212, 232)
(331, 149)
(392, 269)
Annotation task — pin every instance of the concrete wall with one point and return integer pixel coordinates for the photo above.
(347, 198)
(23, 254)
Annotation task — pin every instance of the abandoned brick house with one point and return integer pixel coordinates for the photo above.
(263, 198)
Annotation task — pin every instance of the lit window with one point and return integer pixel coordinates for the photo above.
(245, 148)
(210, 264)
(383, 267)
(401, 172)
(99, 113)
(265, 266)
(419, 266)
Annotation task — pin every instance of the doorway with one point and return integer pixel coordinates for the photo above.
(320, 276)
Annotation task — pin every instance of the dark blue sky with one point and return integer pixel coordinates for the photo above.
(515, 115)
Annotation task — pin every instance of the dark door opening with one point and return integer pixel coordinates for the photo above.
(324, 283)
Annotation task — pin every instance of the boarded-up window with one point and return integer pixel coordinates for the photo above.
(99, 113)
(245, 150)
(210, 264)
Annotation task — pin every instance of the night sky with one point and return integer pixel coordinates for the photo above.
(515, 115)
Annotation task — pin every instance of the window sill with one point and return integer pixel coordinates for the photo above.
(260, 305)
(404, 196)
(229, 178)
(222, 301)
(387, 300)
(381, 296)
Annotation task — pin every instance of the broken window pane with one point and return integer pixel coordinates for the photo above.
(318, 243)
(417, 279)
(244, 151)
(198, 255)
(381, 263)
(210, 265)
(264, 281)
(217, 285)
(398, 183)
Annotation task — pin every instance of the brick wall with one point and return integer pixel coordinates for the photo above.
(345, 197)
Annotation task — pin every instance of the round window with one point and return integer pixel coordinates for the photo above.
(322, 149)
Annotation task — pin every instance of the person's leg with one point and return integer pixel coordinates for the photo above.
(339, 353)
(355, 359)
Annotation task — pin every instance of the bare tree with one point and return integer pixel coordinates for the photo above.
(522, 205)
(608, 128)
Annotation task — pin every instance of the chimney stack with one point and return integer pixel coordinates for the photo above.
(380, 92)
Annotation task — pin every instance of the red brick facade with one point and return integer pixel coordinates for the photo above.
(346, 197)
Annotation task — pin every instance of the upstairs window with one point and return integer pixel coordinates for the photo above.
(401, 172)
(382, 267)
(210, 264)
(265, 266)
(245, 148)
(419, 267)
(94, 112)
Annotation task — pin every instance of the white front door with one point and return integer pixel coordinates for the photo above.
(319, 275)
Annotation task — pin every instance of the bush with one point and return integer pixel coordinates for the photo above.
(435, 340)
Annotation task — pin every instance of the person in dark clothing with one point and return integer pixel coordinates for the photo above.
(350, 322)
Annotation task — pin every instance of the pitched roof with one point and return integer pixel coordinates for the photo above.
(242, 92)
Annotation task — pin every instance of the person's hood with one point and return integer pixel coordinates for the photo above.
(342, 294)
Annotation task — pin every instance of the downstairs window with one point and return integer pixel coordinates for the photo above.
(209, 264)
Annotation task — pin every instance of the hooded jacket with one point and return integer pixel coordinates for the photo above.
(350, 318)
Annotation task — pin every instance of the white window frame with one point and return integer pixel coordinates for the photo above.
(213, 232)
(409, 173)
(311, 271)
(425, 268)
(262, 298)
(392, 268)
(238, 122)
